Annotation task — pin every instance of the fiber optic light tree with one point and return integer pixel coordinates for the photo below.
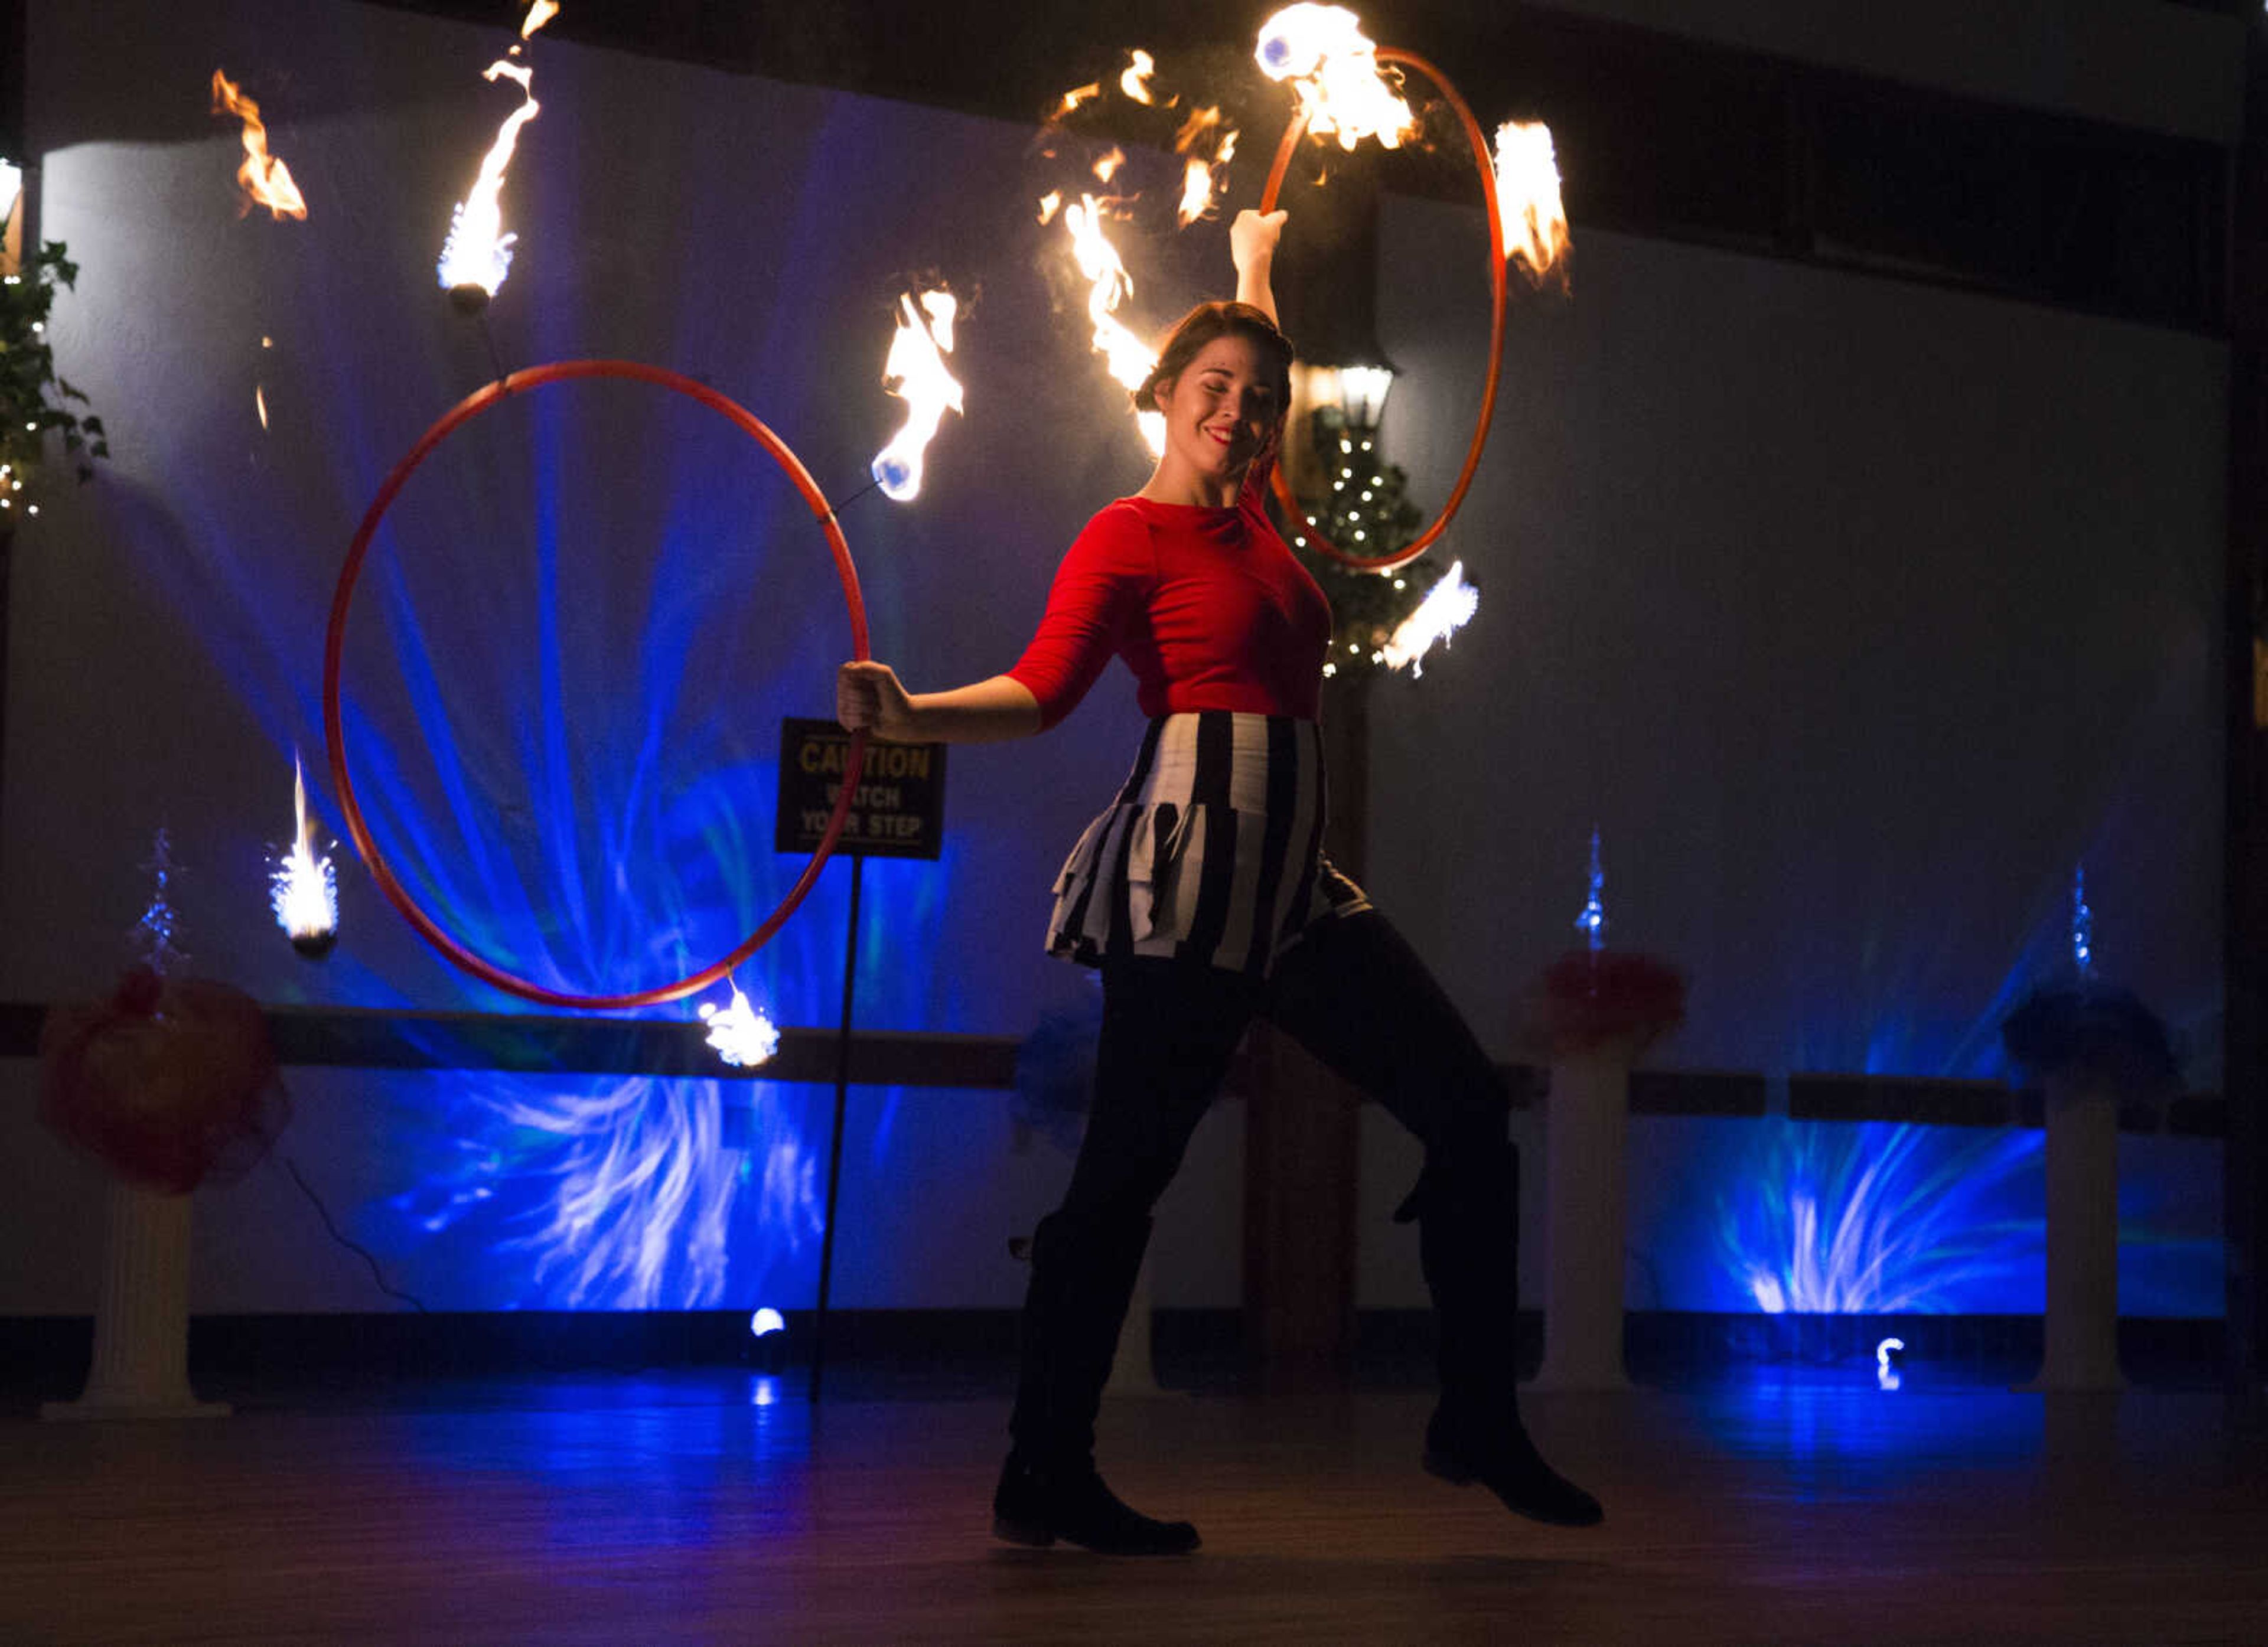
(1592, 1013)
(1363, 502)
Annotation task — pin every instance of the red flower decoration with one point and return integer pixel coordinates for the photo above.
(171, 1082)
(1586, 1001)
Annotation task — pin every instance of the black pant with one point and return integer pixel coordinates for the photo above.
(1353, 993)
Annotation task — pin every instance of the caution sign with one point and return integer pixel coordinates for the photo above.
(898, 810)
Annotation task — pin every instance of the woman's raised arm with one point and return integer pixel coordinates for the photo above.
(1252, 246)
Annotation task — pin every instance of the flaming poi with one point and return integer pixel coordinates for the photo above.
(742, 1036)
(1447, 608)
(477, 255)
(266, 181)
(916, 373)
(1528, 199)
(1332, 67)
(304, 888)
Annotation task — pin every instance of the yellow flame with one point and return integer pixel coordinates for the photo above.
(266, 181)
(1193, 130)
(1075, 96)
(1136, 81)
(1050, 203)
(304, 890)
(1203, 180)
(1447, 608)
(1107, 167)
(915, 372)
(1528, 198)
(538, 13)
(1127, 357)
(259, 403)
(478, 252)
(1333, 68)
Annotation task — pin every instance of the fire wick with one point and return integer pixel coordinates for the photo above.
(471, 301)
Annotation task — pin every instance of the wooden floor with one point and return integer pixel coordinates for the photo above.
(720, 1507)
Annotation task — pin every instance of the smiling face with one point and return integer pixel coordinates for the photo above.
(1220, 412)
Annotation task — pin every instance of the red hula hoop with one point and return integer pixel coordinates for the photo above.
(335, 642)
(1427, 538)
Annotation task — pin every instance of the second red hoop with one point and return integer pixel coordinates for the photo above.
(334, 649)
(1478, 141)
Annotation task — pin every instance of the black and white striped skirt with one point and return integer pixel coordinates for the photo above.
(1213, 851)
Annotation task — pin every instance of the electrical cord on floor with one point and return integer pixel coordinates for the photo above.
(363, 1253)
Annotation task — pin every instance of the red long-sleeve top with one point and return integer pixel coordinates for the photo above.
(1209, 607)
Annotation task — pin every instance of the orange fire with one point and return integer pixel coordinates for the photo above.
(1136, 81)
(1075, 96)
(478, 252)
(1128, 357)
(1528, 199)
(1107, 167)
(538, 13)
(916, 373)
(1333, 67)
(1050, 203)
(1202, 179)
(266, 181)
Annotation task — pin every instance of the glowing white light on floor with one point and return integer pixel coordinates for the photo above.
(742, 1036)
(1447, 608)
(1886, 1373)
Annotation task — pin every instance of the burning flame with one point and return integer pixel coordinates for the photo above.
(1202, 179)
(1136, 81)
(1128, 358)
(538, 13)
(303, 888)
(266, 181)
(1528, 198)
(742, 1036)
(1107, 167)
(1075, 96)
(915, 372)
(260, 402)
(1333, 67)
(1446, 609)
(1050, 203)
(478, 252)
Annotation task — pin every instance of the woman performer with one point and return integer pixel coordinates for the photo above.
(1204, 897)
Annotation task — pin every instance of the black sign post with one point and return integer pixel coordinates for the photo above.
(897, 811)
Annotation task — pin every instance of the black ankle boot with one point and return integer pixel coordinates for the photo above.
(1083, 1271)
(1502, 1459)
(1467, 1206)
(1038, 1505)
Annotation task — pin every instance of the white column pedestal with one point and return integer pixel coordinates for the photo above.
(142, 1315)
(1132, 1371)
(2080, 1323)
(1586, 1121)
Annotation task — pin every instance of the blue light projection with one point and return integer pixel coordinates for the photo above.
(1876, 1218)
